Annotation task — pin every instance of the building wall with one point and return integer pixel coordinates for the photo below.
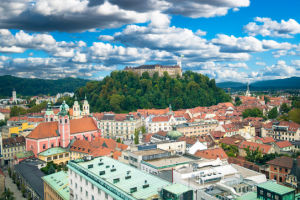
(61, 158)
(82, 188)
(75, 155)
(50, 194)
(278, 173)
(197, 129)
(10, 152)
(119, 129)
(173, 147)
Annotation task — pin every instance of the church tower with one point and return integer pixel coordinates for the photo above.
(64, 125)
(85, 107)
(49, 114)
(76, 109)
(14, 96)
(248, 94)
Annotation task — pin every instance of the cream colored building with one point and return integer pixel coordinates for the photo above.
(118, 125)
(283, 130)
(173, 71)
(10, 147)
(56, 154)
(174, 147)
(197, 128)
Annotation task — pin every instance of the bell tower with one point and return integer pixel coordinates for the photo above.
(85, 107)
(49, 114)
(64, 125)
(76, 109)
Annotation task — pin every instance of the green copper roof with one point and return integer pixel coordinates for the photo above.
(24, 154)
(64, 109)
(248, 196)
(53, 151)
(114, 178)
(59, 182)
(276, 188)
(177, 188)
(174, 134)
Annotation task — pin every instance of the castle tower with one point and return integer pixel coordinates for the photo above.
(76, 109)
(85, 107)
(64, 125)
(49, 114)
(14, 96)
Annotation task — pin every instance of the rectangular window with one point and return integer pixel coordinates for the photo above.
(86, 193)
(106, 196)
(44, 146)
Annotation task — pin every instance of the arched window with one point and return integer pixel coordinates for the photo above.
(66, 120)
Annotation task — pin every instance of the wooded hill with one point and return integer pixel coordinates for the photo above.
(124, 91)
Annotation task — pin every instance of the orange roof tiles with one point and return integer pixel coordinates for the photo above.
(264, 148)
(3, 110)
(49, 129)
(212, 154)
(147, 112)
(283, 144)
(82, 125)
(44, 130)
(265, 139)
(161, 118)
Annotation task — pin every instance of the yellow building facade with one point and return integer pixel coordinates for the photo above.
(57, 154)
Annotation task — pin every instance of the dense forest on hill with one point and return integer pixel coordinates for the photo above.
(30, 87)
(125, 91)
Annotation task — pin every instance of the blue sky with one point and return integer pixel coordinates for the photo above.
(229, 40)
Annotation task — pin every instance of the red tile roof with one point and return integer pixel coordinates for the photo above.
(282, 161)
(265, 139)
(283, 144)
(217, 134)
(49, 129)
(82, 125)
(3, 110)
(44, 130)
(212, 154)
(231, 141)
(264, 148)
(164, 118)
(98, 147)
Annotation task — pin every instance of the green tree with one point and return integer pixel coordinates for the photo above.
(136, 136)
(294, 115)
(253, 156)
(267, 100)
(7, 195)
(273, 113)
(284, 108)
(254, 112)
(118, 140)
(237, 101)
(125, 91)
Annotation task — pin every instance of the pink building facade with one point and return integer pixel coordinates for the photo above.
(60, 133)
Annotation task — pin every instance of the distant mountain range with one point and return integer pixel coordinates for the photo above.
(287, 83)
(30, 87)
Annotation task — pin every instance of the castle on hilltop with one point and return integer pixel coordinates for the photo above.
(173, 70)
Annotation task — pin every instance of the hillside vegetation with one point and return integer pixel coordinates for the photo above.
(30, 87)
(125, 91)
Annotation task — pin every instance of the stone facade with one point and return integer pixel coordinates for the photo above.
(173, 71)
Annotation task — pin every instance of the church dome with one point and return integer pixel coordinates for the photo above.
(174, 134)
